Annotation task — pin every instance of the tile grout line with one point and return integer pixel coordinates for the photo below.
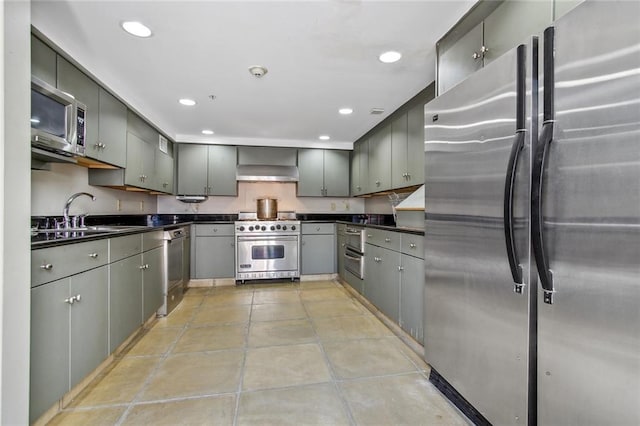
(162, 359)
(332, 372)
(244, 361)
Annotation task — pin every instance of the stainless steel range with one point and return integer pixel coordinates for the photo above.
(267, 249)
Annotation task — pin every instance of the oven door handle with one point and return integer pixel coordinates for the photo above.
(269, 238)
(357, 259)
(353, 233)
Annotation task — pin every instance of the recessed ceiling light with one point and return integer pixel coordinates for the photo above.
(187, 102)
(137, 29)
(390, 57)
(207, 132)
(345, 111)
(324, 138)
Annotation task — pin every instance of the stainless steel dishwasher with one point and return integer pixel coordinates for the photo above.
(174, 282)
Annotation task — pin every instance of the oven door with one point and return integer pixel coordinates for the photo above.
(354, 263)
(355, 239)
(267, 254)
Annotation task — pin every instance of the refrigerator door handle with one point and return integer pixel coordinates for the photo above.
(512, 167)
(539, 161)
(514, 265)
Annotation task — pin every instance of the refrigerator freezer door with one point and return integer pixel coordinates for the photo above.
(589, 338)
(476, 325)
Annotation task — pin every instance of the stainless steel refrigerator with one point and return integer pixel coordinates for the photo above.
(532, 232)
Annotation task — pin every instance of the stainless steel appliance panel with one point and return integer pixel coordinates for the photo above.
(476, 325)
(354, 263)
(259, 254)
(355, 238)
(589, 338)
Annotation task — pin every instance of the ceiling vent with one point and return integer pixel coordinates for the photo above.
(376, 111)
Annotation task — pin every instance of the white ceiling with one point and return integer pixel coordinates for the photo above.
(321, 56)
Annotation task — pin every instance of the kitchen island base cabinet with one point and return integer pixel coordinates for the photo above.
(68, 335)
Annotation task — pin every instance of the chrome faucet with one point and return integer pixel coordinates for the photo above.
(65, 211)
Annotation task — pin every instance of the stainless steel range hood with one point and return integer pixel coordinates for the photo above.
(266, 173)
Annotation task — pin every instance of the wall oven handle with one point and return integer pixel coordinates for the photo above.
(350, 232)
(269, 238)
(357, 259)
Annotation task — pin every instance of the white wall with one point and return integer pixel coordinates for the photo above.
(15, 244)
(51, 189)
(248, 192)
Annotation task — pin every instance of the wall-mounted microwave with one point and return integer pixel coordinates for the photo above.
(57, 120)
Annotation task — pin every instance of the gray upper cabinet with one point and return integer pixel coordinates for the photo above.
(323, 173)
(458, 61)
(511, 23)
(490, 29)
(207, 170)
(140, 163)
(43, 62)
(379, 160)
(164, 172)
(415, 145)
(106, 116)
(399, 151)
(360, 168)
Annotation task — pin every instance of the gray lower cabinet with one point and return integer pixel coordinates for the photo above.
(207, 170)
(214, 251)
(318, 249)
(411, 296)
(323, 173)
(125, 299)
(68, 335)
(340, 250)
(382, 287)
(152, 281)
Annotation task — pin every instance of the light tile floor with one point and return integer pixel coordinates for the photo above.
(265, 354)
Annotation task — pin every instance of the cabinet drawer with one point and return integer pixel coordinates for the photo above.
(413, 245)
(57, 262)
(341, 228)
(126, 246)
(214, 230)
(318, 228)
(151, 240)
(382, 238)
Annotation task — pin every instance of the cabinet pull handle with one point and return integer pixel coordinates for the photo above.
(318, 229)
(412, 245)
(387, 240)
(46, 267)
(70, 300)
(142, 267)
(377, 183)
(358, 187)
(93, 255)
(369, 235)
(77, 297)
(400, 268)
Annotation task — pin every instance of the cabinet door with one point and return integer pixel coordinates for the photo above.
(221, 171)
(399, 151)
(380, 160)
(318, 255)
(149, 166)
(134, 173)
(385, 292)
(152, 282)
(89, 322)
(336, 173)
(49, 376)
(456, 61)
(364, 166)
(142, 129)
(43, 62)
(512, 22)
(340, 250)
(411, 296)
(192, 169)
(215, 257)
(85, 90)
(311, 169)
(125, 299)
(164, 172)
(415, 145)
(356, 186)
(111, 146)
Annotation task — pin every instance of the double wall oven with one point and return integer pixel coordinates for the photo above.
(354, 250)
(267, 249)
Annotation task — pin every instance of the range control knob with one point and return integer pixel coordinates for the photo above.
(273, 228)
(264, 228)
(293, 227)
(284, 227)
(241, 228)
(251, 228)
(278, 226)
